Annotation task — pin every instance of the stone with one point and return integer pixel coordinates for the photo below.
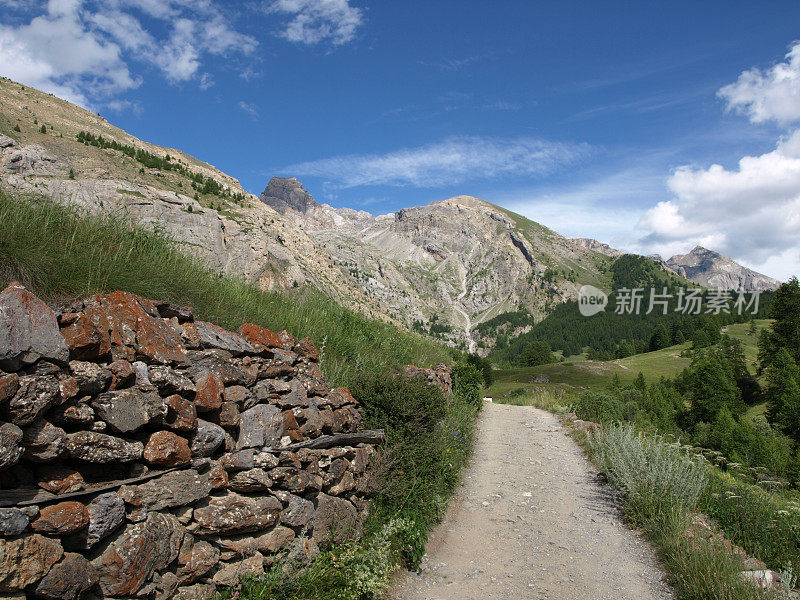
(28, 330)
(270, 542)
(299, 512)
(181, 414)
(128, 410)
(338, 398)
(209, 392)
(240, 396)
(13, 522)
(142, 374)
(260, 338)
(68, 388)
(253, 480)
(346, 420)
(60, 480)
(218, 476)
(229, 574)
(228, 415)
(198, 591)
(88, 335)
(168, 381)
(195, 563)
(101, 448)
(73, 413)
(287, 338)
(43, 442)
(207, 439)
(220, 364)
(64, 518)
(68, 579)
(154, 340)
(92, 378)
(174, 489)
(213, 336)
(35, 395)
(9, 384)
(307, 349)
(345, 484)
(10, 445)
(166, 449)
(131, 558)
(260, 426)
(26, 560)
(336, 521)
(106, 515)
(167, 310)
(313, 380)
(236, 514)
(122, 374)
(296, 398)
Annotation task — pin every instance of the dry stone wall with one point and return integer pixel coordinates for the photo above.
(144, 453)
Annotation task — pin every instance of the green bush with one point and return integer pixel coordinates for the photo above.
(467, 383)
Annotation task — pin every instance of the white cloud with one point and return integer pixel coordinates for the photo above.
(751, 213)
(250, 109)
(769, 95)
(451, 161)
(83, 51)
(314, 21)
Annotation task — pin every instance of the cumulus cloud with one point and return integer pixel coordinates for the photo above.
(451, 161)
(768, 95)
(751, 213)
(315, 21)
(82, 51)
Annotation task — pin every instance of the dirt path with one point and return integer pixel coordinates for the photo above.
(531, 521)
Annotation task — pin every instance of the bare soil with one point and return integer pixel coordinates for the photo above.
(532, 520)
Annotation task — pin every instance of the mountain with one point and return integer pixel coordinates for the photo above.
(445, 267)
(701, 266)
(712, 269)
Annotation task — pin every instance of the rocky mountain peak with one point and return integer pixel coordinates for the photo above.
(287, 194)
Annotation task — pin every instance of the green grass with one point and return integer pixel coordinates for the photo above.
(582, 374)
(61, 254)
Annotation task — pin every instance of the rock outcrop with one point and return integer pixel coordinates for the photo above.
(146, 453)
(713, 270)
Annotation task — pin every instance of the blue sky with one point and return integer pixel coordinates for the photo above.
(597, 119)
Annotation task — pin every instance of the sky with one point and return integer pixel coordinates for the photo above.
(651, 126)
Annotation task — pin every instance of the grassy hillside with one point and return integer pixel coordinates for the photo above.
(59, 255)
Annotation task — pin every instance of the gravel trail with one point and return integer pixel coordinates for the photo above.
(532, 521)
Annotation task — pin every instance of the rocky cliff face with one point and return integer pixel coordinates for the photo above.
(600, 247)
(149, 454)
(446, 266)
(712, 269)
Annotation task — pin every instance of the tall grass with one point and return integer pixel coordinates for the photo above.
(60, 253)
(661, 486)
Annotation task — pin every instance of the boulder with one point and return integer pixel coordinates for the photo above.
(12, 522)
(128, 410)
(218, 362)
(101, 448)
(68, 579)
(336, 521)
(230, 574)
(73, 413)
(207, 439)
(28, 330)
(26, 560)
(233, 513)
(171, 490)
(275, 540)
(260, 338)
(59, 480)
(106, 515)
(168, 381)
(166, 449)
(64, 518)
(87, 334)
(9, 384)
(299, 512)
(92, 379)
(260, 426)
(181, 414)
(239, 395)
(213, 336)
(197, 561)
(253, 480)
(228, 415)
(198, 591)
(209, 392)
(35, 395)
(122, 374)
(131, 558)
(10, 445)
(43, 442)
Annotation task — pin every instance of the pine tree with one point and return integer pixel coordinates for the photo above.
(71, 174)
(16, 128)
(43, 129)
(783, 394)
